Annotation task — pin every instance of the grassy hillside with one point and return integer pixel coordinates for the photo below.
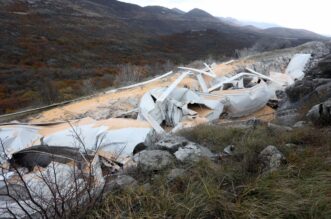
(58, 50)
(235, 187)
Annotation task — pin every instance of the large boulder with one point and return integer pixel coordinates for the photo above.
(153, 160)
(271, 159)
(299, 89)
(320, 114)
(322, 69)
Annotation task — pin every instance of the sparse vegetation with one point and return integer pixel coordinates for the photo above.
(234, 187)
(50, 49)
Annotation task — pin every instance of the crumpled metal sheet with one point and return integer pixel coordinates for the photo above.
(176, 106)
(243, 102)
(297, 65)
(109, 139)
(17, 137)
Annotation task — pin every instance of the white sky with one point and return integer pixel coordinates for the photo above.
(312, 15)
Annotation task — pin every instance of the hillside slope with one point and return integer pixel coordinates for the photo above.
(54, 50)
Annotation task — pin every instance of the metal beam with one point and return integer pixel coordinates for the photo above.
(152, 122)
(168, 91)
(198, 71)
(209, 68)
(202, 83)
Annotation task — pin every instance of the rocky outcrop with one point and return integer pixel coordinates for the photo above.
(315, 88)
(322, 69)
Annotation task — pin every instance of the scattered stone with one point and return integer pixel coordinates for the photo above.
(253, 123)
(280, 128)
(271, 158)
(171, 143)
(300, 124)
(150, 160)
(99, 114)
(132, 114)
(229, 149)
(290, 145)
(175, 173)
(121, 182)
(192, 153)
(147, 186)
(133, 101)
(183, 149)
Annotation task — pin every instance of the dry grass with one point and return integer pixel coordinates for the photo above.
(235, 188)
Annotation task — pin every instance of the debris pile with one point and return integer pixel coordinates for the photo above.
(37, 158)
(236, 96)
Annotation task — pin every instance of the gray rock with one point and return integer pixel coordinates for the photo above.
(300, 124)
(251, 123)
(290, 145)
(183, 149)
(121, 182)
(288, 116)
(150, 160)
(281, 128)
(147, 186)
(171, 143)
(175, 173)
(271, 158)
(321, 113)
(192, 153)
(133, 101)
(299, 90)
(229, 149)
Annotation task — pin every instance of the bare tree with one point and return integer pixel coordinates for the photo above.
(57, 191)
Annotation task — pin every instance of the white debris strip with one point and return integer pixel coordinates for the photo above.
(199, 71)
(202, 83)
(297, 66)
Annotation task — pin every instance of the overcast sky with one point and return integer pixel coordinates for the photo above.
(312, 15)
